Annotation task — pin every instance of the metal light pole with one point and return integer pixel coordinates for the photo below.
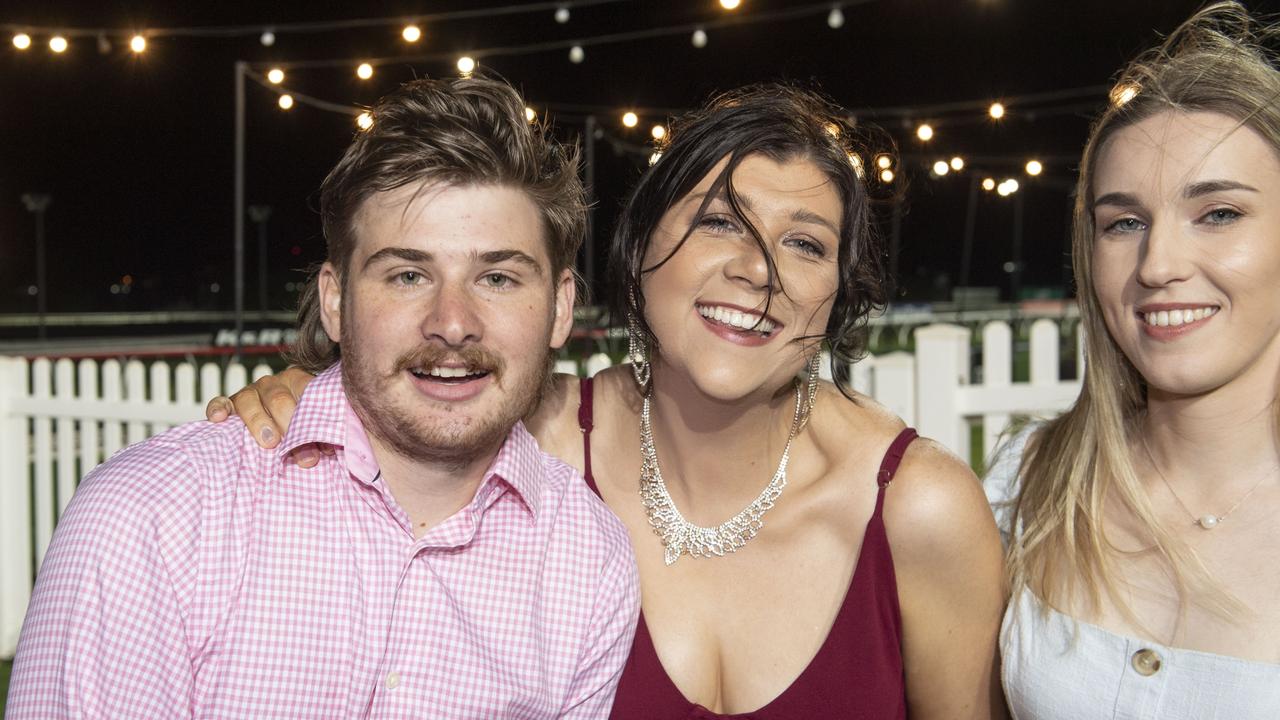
(970, 220)
(589, 169)
(38, 203)
(241, 68)
(1016, 275)
(260, 214)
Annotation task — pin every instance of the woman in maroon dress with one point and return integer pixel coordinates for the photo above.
(799, 555)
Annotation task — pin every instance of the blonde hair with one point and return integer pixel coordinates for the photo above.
(1217, 62)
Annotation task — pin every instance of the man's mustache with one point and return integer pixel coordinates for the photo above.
(476, 358)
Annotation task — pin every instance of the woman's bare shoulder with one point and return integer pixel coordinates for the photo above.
(852, 425)
(936, 508)
(555, 421)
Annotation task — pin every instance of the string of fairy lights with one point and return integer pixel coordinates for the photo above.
(412, 31)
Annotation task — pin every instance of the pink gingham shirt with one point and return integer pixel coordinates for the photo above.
(198, 575)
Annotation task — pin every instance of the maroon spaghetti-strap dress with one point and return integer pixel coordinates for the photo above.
(857, 673)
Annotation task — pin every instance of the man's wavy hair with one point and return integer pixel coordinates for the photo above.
(456, 132)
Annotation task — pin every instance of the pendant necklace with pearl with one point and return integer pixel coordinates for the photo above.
(1207, 521)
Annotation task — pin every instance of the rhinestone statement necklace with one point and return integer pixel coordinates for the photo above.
(679, 536)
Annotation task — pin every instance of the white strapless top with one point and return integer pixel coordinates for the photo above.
(1057, 668)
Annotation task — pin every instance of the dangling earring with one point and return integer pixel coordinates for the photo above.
(810, 388)
(638, 352)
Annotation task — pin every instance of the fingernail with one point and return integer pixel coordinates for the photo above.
(308, 457)
(267, 435)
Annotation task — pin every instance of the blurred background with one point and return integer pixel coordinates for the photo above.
(119, 154)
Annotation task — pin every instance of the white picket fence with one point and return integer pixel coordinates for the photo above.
(58, 420)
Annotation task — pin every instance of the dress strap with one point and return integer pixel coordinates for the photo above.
(893, 456)
(586, 424)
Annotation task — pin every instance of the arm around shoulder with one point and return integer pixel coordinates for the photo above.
(104, 632)
(948, 560)
(608, 643)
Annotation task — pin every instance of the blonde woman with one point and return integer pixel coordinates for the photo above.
(1143, 531)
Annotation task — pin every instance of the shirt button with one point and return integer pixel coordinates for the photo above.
(393, 680)
(1146, 662)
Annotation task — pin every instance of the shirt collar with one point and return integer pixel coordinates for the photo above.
(325, 416)
(320, 416)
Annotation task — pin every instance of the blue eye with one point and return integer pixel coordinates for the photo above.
(808, 246)
(1127, 225)
(718, 224)
(1221, 216)
(497, 280)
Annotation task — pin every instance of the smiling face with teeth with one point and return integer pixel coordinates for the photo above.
(718, 316)
(445, 318)
(1186, 250)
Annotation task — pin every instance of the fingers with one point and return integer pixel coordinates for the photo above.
(219, 409)
(262, 426)
(307, 456)
(296, 379)
(279, 402)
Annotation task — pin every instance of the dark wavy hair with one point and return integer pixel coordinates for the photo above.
(781, 122)
(460, 131)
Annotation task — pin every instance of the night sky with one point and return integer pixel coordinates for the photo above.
(137, 152)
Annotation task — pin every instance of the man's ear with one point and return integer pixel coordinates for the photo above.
(330, 301)
(566, 291)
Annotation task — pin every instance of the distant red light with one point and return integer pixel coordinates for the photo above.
(296, 249)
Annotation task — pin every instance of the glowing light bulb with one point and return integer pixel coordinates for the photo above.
(658, 132)
(58, 44)
(699, 38)
(1034, 167)
(957, 163)
(530, 114)
(562, 14)
(577, 54)
(267, 38)
(988, 184)
(365, 71)
(730, 4)
(996, 111)
(925, 132)
(886, 176)
(884, 162)
(364, 120)
(138, 44)
(630, 119)
(285, 102)
(835, 19)
(466, 64)
(22, 41)
(411, 33)
(275, 76)
(1011, 185)
(941, 168)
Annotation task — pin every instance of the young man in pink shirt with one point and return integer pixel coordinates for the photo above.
(439, 565)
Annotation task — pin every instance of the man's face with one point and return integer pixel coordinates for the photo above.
(446, 319)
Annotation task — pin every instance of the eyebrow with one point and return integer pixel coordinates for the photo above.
(492, 257)
(1206, 187)
(798, 215)
(1194, 190)
(398, 253)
